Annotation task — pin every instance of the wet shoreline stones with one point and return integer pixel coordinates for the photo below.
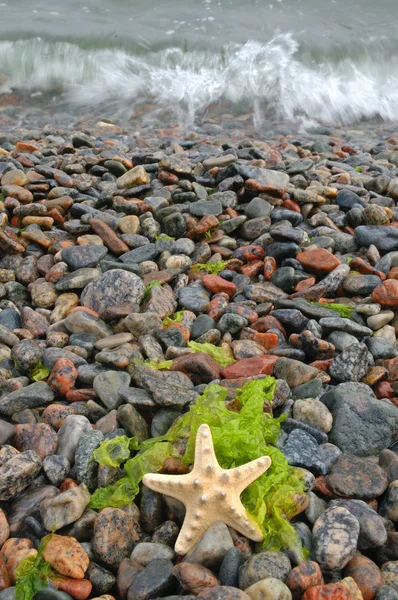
(110, 256)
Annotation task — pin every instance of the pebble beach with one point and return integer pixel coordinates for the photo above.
(148, 275)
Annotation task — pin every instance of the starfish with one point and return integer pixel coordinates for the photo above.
(210, 493)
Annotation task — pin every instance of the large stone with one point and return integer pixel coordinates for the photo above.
(266, 180)
(83, 322)
(113, 288)
(108, 384)
(194, 578)
(362, 425)
(73, 427)
(351, 365)
(384, 238)
(66, 556)
(39, 437)
(366, 574)
(330, 591)
(372, 530)
(17, 473)
(306, 575)
(263, 565)
(115, 533)
(135, 176)
(167, 388)
(294, 372)
(248, 367)
(355, 477)
(31, 396)
(146, 552)
(302, 450)
(335, 534)
(200, 367)
(83, 257)
(154, 581)
(193, 298)
(319, 261)
(386, 294)
(212, 547)
(269, 589)
(65, 508)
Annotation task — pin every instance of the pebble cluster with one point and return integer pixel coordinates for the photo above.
(296, 239)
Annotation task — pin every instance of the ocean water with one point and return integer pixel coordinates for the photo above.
(327, 61)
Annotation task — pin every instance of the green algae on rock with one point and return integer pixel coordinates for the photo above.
(33, 573)
(220, 355)
(211, 267)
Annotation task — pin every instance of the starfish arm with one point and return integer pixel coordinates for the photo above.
(194, 526)
(170, 485)
(243, 523)
(245, 474)
(204, 449)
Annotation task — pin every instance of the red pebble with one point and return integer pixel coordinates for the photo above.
(81, 395)
(67, 484)
(366, 575)
(216, 284)
(218, 306)
(266, 323)
(322, 365)
(305, 284)
(270, 267)
(252, 268)
(249, 253)
(303, 577)
(247, 367)
(383, 389)
(331, 591)
(291, 205)
(267, 340)
(77, 588)
(63, 376)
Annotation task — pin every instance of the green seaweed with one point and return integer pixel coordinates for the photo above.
(177, 317)
(211, 267)
(210, 232)
(114, 452)
(221, 355)
(239, 437)
(343, 310)
(150, 460)
(164, 237)
(264, 388)
(39, 372)
(154, 283)
(33, 573)
(159, 365)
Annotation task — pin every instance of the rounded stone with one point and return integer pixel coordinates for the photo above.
(335, 534)
(314, 413)
(366, 574)
(111, 289)
(269, 589)
(263, 565)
